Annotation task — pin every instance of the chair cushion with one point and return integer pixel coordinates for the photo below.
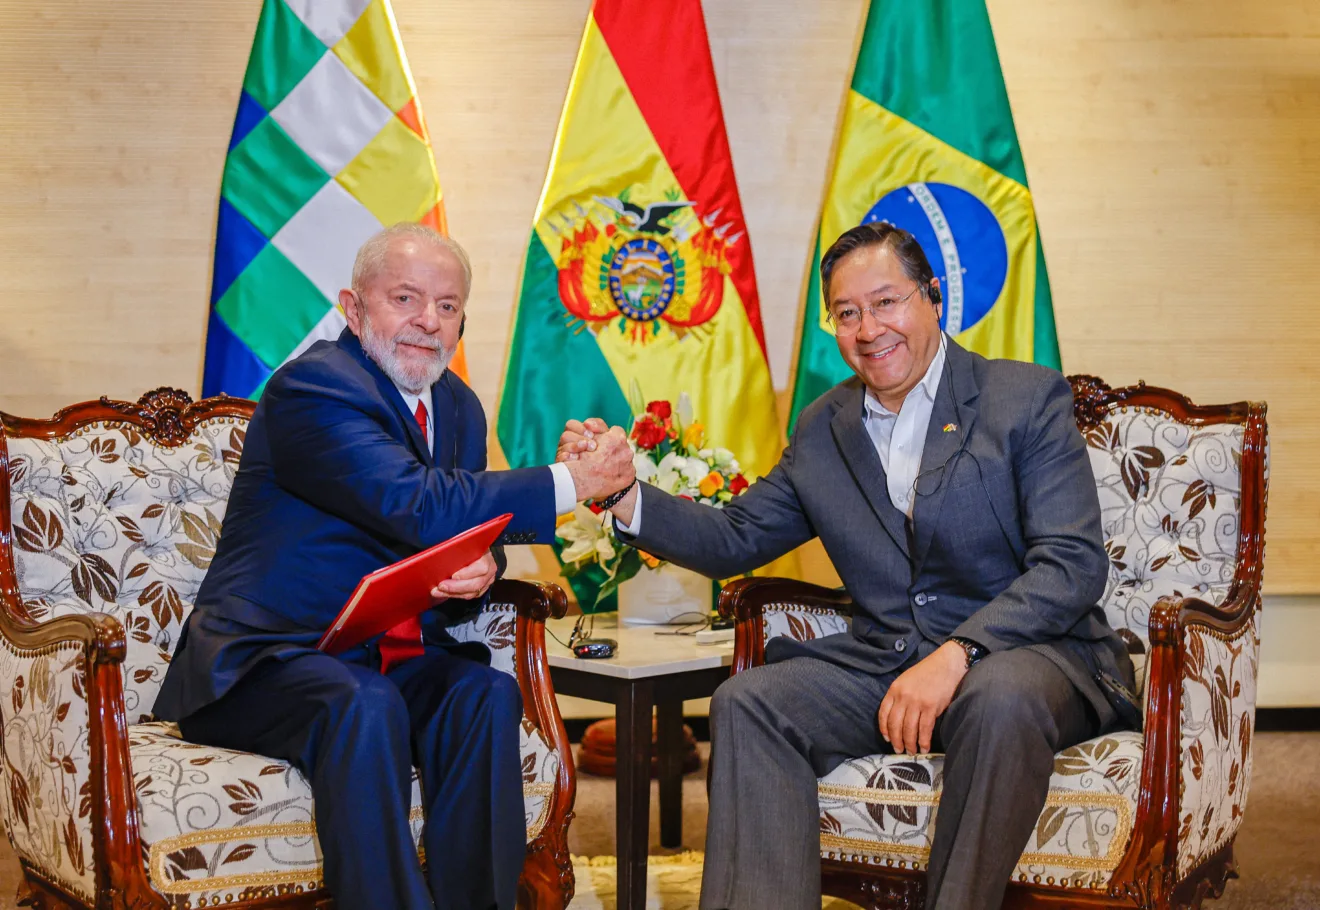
(881, 810)
(219, 825)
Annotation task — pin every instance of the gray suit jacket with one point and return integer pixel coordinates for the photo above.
(1004, 547)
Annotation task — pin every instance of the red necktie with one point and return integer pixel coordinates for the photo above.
(404, 640)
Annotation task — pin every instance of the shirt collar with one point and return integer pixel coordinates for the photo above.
(929, 384)
(411, 400)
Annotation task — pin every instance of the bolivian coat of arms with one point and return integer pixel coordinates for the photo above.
(641, 267)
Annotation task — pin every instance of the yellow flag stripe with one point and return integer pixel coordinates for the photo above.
(879, 152)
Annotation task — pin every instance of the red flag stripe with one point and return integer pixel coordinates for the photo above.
(663, 52)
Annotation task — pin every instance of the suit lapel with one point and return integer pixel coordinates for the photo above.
(941, 453)
(863, 462)
(443, 410)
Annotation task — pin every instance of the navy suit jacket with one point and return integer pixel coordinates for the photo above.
(336, 481)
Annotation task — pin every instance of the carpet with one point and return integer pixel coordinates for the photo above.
(672, 883)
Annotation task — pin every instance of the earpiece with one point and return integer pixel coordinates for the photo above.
(935, 296)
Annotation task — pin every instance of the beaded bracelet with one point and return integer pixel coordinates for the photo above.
(615, 498)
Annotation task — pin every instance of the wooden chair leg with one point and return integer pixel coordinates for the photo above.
(547, 879)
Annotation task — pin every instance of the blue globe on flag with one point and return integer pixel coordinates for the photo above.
(963, 241)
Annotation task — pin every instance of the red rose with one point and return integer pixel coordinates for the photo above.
(647, 432)
(661, 409)
(738, 484)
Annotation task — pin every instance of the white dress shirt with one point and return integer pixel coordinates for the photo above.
(899, 439)
(565, 490)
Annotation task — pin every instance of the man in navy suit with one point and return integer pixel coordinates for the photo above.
(362, 451)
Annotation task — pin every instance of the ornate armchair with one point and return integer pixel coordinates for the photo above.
(1132, 819)
(109, 515)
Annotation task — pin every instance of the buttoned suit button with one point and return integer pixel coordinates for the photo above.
(900, 645)
(920, 599)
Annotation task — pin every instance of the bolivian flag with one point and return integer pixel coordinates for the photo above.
(639, 266)
(328, 146)
(927, 143)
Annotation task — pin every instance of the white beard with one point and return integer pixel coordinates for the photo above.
(414, 378)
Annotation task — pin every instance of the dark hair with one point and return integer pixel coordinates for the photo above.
(904, 246)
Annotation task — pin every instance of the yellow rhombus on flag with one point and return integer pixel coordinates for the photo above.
(329, 146)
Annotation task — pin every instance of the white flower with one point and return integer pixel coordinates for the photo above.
(694, 470)
(669, 481)
(684, 409)
(585, 533)
(671, 462)
(644, 467)
(723, 458)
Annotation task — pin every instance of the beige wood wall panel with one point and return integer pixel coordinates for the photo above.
(1173, 148)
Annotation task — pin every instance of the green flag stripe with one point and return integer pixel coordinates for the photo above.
(269, 178)
(272, 306)
(1046, 337)
(820, 367)
(556, 370)
(283, 52)
(934, 64)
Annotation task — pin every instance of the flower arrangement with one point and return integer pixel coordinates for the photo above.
(669, 452)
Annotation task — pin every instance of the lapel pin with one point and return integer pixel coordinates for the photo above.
(950, 427)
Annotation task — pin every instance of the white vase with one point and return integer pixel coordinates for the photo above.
(664, 595)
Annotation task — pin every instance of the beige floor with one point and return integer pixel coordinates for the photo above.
(1278, 846)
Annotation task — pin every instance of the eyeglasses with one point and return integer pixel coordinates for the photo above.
(848, 320)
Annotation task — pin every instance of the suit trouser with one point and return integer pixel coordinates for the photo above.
(775, 729)
(356, 735)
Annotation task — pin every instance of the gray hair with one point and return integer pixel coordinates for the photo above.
(372, 254)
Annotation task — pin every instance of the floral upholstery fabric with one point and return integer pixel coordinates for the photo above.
(45, 775)
(495, 626)
(107, 520)
(802, 623)
(1218, 720)
(226, 825)
(881, 809)
(1170, 498)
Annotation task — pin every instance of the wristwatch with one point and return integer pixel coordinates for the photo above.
(973, 650)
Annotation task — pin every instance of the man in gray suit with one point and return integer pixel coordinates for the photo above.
(954, 497)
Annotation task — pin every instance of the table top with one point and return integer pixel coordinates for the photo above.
(641, 652)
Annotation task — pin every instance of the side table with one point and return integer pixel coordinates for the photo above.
(648, 671)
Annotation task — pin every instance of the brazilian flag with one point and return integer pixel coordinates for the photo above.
(927, 143)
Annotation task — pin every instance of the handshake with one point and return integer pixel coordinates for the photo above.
(598, 457)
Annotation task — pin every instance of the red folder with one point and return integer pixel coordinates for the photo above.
(390, 595)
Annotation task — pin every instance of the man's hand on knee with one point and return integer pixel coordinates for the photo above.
(919, 696)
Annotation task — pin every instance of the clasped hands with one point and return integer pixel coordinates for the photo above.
(597, 456)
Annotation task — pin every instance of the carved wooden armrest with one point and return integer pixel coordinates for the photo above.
(534, 603)
(1201, 704)
(66, 748)
(764, 608)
